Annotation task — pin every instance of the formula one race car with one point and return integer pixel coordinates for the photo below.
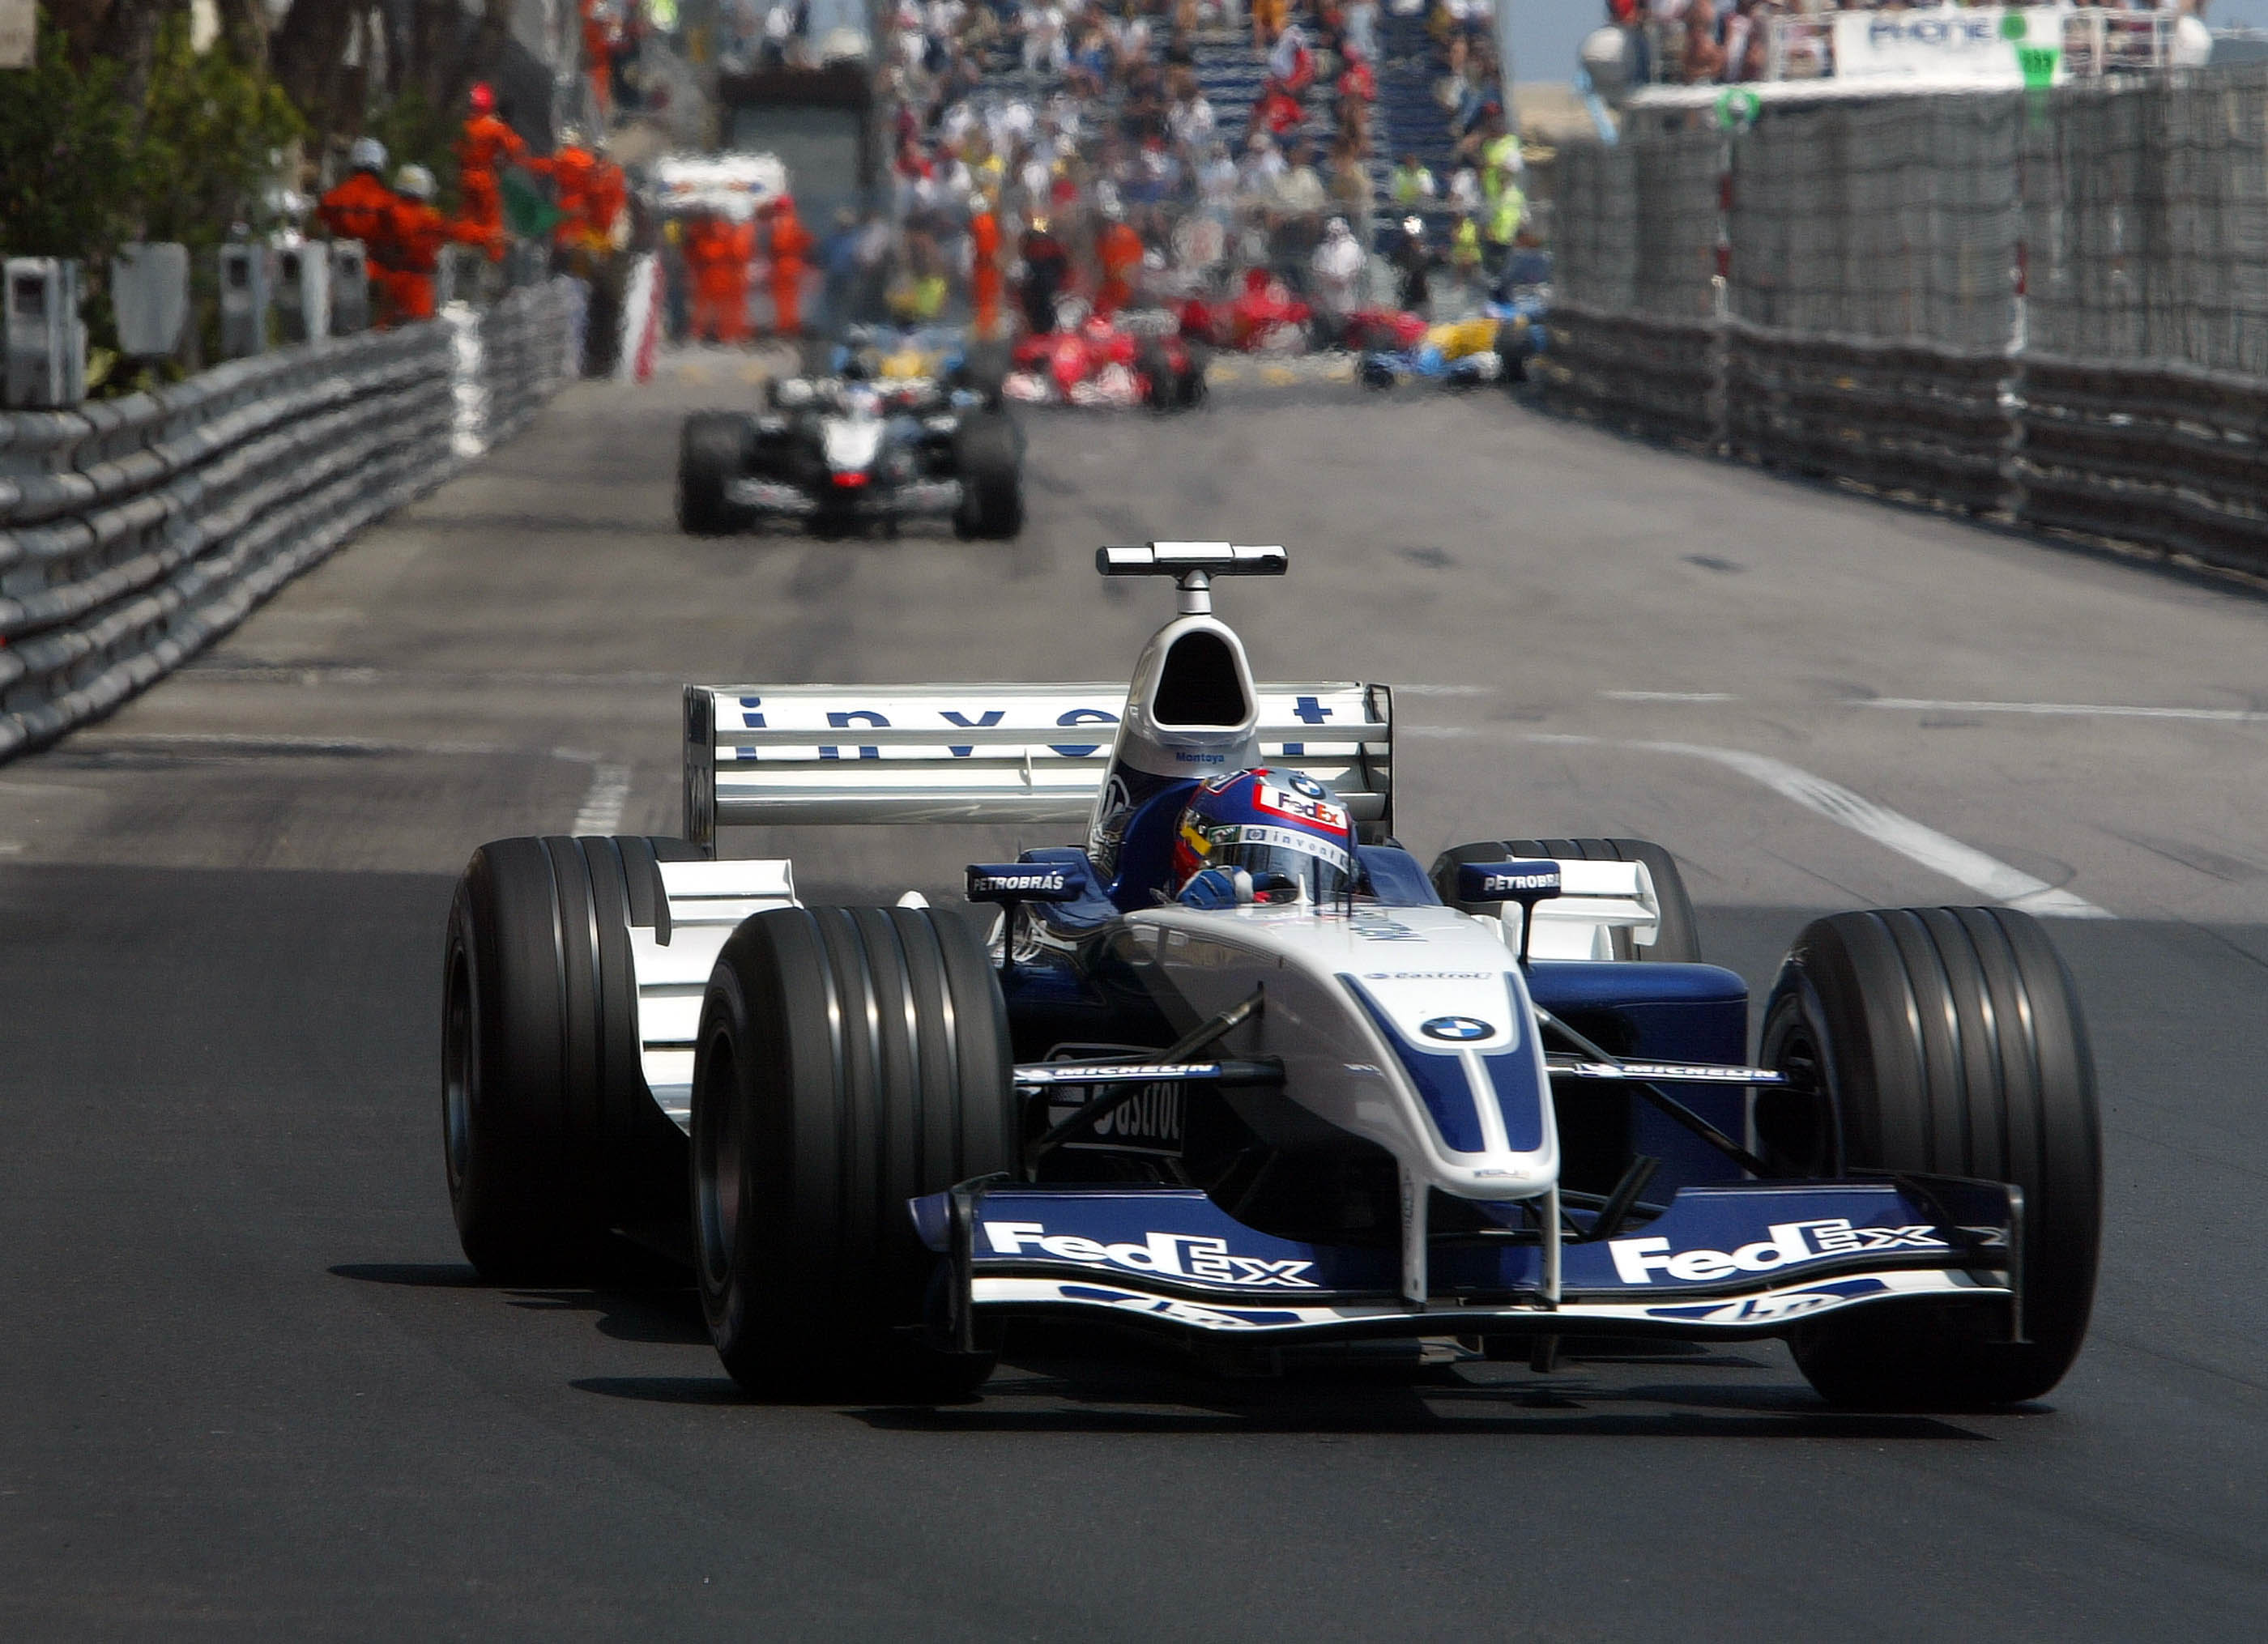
(840, 453)
(1095, 363)
(1233, 1065)
(1493, 346)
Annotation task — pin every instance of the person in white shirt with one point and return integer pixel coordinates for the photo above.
(1191, 122)
(1337, 267)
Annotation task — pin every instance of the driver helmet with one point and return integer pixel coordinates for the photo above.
(1284, 828)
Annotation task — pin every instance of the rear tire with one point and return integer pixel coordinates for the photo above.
(1512, 351)
(1947, 1040)
(551, 1137)
(1677, 938)
(713, 448)
(990, 456)
(850, 1060)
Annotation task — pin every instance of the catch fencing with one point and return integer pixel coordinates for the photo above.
(2051, 306)
(136, 532)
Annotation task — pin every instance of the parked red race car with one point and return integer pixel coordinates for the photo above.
(1095, 363)
(1264, 317)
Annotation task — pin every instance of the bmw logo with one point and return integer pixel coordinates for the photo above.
(1303, 783)
(1455, 1028)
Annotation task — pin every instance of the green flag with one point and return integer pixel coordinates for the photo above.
(526, 213)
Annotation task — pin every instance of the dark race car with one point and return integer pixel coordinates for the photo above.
(843, 453)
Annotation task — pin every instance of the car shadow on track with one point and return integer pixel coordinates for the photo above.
(642, 1308)
(1609, 1398)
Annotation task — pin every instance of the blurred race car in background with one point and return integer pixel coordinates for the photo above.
(1136, 360)
(853, 450)
(1492, 346)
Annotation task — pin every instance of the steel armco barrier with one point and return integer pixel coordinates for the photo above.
(134, 532)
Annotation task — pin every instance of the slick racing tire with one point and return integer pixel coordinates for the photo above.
(984, 368)
(549, 1135)
(1512, 351)
(851, 1059)
(988, 453)
(1189, 387)
(1946, 1040)
(1677, 938)
(713, 450)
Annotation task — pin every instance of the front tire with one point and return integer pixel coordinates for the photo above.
(550, 1137)
(713, 448)
(989, 455)
(1946, 1040)
(1677, 936)
(850, 1060)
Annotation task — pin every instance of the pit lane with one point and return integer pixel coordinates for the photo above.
(252, 1387)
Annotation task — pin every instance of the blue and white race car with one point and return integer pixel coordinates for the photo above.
(1233, 1065)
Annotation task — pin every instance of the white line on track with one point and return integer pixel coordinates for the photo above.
(1940, 853)
(2070, 710)
(1934, 705)
(602, 803)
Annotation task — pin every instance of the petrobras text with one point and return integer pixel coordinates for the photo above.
(1011, 881)
(1509, 883)
(1188, 1258)
(1638, 1259)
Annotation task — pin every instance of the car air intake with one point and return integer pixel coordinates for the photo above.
(1199, 686)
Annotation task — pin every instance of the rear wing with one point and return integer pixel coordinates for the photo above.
(768, 756)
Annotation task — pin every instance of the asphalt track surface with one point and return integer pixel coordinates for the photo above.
(249, 1388)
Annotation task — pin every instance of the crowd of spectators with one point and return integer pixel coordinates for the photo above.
(1706, 42)
(1080, 132)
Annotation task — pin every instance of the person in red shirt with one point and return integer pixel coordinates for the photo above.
(1278, 112)
(597, 53)
(486, 145)
(984, 265)
(609, 193)
(791, 246)
(718, 253)
(573, 171)
(360, 208)
(410, 251)
(1118, 249)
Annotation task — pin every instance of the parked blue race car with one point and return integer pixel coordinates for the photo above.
(1233, 1064)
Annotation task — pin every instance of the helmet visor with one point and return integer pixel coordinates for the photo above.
(1286, 864)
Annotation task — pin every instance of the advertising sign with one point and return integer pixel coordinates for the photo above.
(1952, 46)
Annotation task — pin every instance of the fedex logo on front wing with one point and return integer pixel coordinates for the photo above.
(1190, 1258)
(1638, 1259)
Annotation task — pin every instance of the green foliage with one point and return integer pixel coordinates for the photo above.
(212, 142)
(78, 174)
(416, 133)
(70, 159)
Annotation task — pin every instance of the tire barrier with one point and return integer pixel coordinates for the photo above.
(1898, 416)
(1658, 378)
(136, 532)
(2168, 456)
(2047, 308)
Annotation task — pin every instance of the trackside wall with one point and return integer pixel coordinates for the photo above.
(134, 532)
(2050, 307)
